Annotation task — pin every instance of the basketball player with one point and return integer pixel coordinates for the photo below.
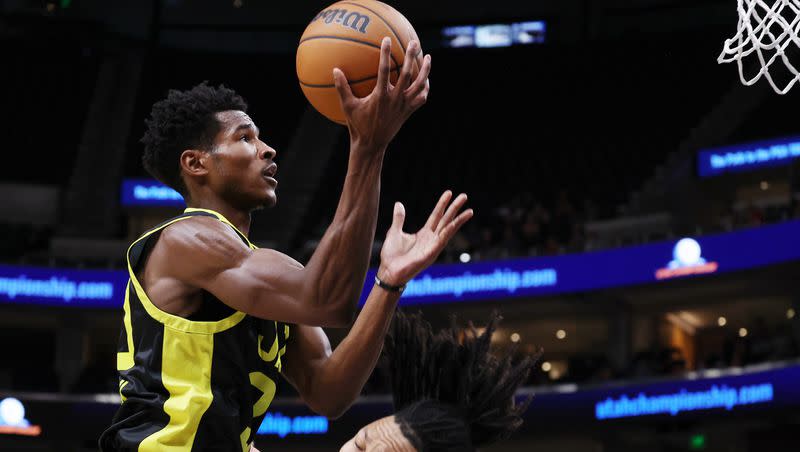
(210, 321)
(451, 395)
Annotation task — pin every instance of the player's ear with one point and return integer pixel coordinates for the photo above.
(194, 162)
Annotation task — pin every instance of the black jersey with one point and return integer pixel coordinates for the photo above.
(191, 384)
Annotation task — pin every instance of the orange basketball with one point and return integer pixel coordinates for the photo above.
(348, 35)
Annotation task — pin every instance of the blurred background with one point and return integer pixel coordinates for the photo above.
(637, 208)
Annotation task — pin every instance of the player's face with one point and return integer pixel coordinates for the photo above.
(244, 170)
(383, 435)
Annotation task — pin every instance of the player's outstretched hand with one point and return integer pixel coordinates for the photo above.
(404, 255)
(374, 120)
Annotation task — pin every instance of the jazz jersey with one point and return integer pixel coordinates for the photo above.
(191, 384)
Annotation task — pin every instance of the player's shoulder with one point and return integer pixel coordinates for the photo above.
(198, 235)
(193, 226)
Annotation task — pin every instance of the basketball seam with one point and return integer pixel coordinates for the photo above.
(358, 41)
(396, 35)
(331, 85)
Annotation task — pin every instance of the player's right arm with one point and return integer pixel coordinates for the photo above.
(205, 253)
(325, 292)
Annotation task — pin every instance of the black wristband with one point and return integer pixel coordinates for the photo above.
(390, 288)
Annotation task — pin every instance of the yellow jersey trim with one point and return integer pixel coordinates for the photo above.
(125, 359)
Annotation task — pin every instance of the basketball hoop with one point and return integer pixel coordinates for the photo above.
(766, 31)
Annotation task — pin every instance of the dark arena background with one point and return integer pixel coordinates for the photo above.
(637, 208)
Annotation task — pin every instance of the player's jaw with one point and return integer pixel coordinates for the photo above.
(260, 184)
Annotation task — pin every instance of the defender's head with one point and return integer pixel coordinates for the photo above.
(451, 391)
(201, 143)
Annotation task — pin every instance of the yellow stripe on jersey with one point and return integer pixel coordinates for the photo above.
(281, 352)
(122, 385)
(125, 359)
(243, 438)
(273, 351)
(267, 387)
(186, 374)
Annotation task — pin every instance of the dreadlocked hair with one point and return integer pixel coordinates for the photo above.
(184, 120)
(450, 392)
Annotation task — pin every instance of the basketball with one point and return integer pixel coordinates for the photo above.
(348, 35)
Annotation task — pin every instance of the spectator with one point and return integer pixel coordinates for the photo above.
(531, 235)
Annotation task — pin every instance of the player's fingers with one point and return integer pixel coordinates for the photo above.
(399, 216)
(450, 230)
(421, 82)
(436, 214)
(405, 74)
(457, 204)
(419, 100)
(384, 67)
(342, 87)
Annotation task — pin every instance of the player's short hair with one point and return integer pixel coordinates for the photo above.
(184, 120)
(450, 392)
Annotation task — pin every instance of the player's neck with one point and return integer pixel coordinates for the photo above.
(239, 218)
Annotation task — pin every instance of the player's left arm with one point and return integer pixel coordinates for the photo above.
(330, 381)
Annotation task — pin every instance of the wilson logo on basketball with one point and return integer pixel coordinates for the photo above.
(352, 19)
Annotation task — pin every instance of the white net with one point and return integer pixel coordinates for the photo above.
(768, 31)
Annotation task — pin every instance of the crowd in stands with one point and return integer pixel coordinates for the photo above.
(763, 343)
(523, 226)
(526, 227)
(753, 215)
(19, 240)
